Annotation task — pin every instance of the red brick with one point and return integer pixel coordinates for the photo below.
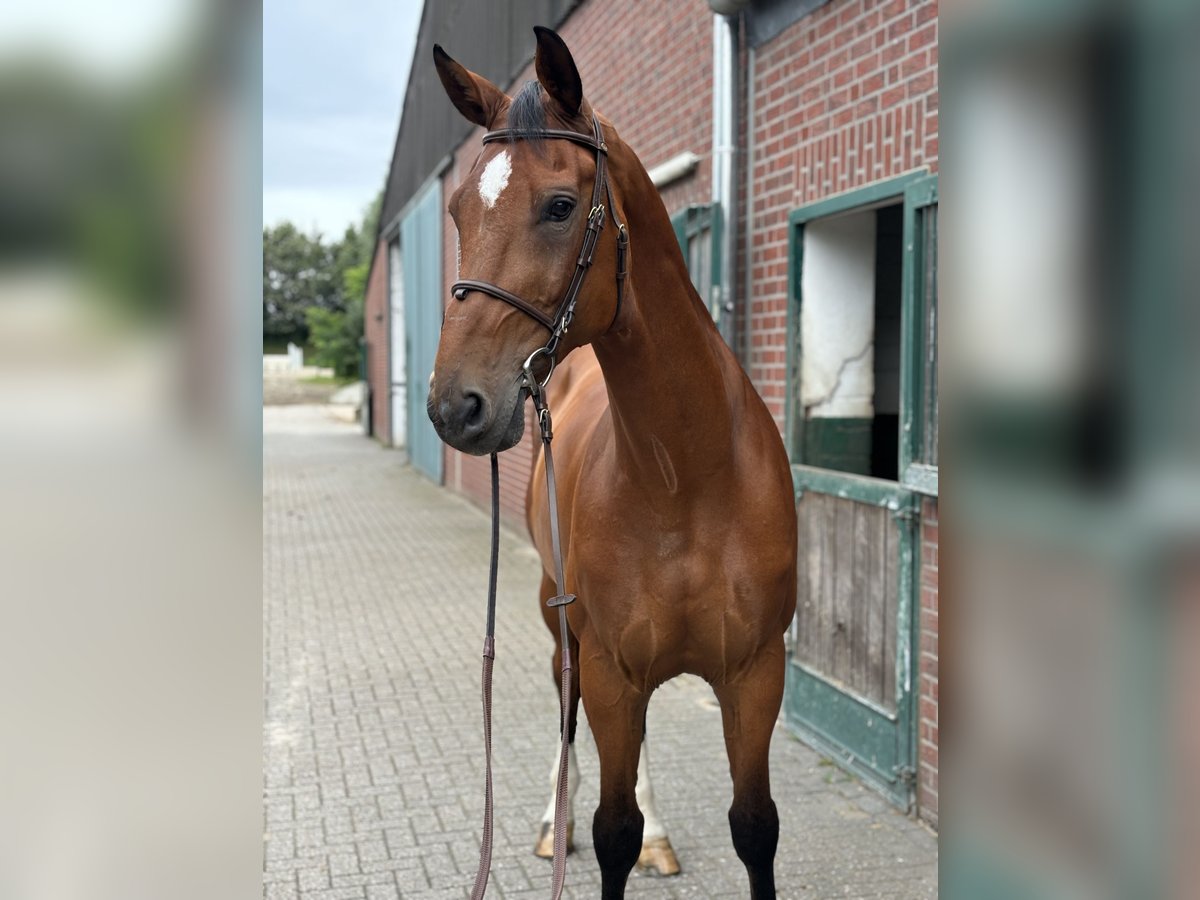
(914, 65)
(923, 37)
(899, 28)
(873, 84)
(921, 84)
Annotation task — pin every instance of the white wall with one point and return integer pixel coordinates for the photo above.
(837, 317)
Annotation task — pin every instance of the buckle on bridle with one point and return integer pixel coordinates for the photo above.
(531, 381)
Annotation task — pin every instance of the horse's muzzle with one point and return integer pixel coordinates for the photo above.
(469, 421)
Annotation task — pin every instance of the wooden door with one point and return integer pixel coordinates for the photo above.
(851, 678)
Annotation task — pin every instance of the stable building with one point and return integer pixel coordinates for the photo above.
(795, 145)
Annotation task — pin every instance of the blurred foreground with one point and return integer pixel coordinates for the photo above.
(129, 432)
(1072, 436)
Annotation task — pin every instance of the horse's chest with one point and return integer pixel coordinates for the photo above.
(665, 601)
(667, 587)
(644, 550)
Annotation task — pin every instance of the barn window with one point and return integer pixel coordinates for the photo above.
(863, 392)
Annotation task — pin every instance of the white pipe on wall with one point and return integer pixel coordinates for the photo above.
(742, 348)
(723, 149)
(674, 168)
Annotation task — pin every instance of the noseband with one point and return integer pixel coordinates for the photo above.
(561, 321)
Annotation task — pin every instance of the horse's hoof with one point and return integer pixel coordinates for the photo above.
(544, 847)
(658, 857)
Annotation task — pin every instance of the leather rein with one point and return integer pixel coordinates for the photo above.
(557, 326)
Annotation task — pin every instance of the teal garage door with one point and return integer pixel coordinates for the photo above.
(421, 246)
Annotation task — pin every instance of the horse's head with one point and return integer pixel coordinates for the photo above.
(521, 214)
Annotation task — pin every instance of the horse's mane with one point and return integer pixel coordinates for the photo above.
(526, 115)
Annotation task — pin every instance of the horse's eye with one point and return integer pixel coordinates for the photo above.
(559, 209)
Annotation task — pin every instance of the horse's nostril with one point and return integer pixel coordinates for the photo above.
(472, 409)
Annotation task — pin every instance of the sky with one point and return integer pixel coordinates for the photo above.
(333, 82)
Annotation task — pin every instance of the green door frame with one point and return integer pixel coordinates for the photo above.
(919, 197)
(878, 745)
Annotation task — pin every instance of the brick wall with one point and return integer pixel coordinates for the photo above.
(844, 97)
(375, 315)
(927, 692)
(670, 50)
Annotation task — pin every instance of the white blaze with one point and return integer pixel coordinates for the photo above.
(495, 179)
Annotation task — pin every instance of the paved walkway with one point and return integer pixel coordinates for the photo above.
(374, 583)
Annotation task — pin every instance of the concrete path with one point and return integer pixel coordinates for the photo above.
(374, 586)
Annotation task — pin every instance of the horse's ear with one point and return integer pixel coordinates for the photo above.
(556, 71)
(472, 95)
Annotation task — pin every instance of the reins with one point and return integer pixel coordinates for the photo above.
(557, 327)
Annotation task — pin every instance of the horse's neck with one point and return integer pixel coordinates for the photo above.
(672, 383)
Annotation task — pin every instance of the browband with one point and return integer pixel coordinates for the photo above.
(507, 134)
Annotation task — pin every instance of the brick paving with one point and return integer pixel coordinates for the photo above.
(374, 582)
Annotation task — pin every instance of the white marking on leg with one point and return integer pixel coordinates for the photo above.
(654, 827)
(495, 178)
(572, 784)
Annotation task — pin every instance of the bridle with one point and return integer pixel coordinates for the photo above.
(565, 313)
(557, 326)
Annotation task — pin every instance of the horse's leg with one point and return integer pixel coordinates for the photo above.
(749, 708)
(544, 847)
(615, 714)
(657, 853)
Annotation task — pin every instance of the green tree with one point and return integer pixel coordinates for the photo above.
(300, 272)
(336, 335)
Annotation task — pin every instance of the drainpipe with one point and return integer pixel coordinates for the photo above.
(724, 150)
(743, 350)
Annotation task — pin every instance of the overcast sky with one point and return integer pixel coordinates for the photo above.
(333, 81)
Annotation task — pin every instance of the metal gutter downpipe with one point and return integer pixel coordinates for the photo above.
(743, 349)
(724, 149)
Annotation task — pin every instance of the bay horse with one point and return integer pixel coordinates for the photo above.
(675, 493)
